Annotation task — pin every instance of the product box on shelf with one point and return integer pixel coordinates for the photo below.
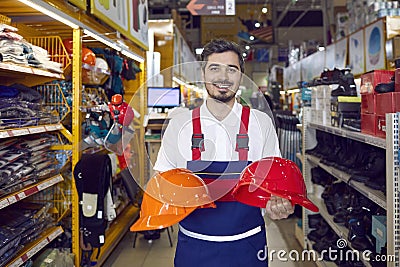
(387, 103)
(337, 117)
(370, 79)
(378, 230)
(368, 103)
(380, 126)
(346, 104)
(368, 123)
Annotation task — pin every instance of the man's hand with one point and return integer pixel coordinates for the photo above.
(279, 208)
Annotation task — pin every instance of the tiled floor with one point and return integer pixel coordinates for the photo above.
(159, 253)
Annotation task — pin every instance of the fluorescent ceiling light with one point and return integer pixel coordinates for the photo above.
(50, 13)
(199, 51)
(133, 56)
(102, 39)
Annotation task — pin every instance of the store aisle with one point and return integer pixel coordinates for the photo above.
(159, 253)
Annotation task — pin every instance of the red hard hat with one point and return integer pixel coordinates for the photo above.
(272, 176)
(116, 99)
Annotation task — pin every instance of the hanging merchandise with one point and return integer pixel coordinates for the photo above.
(92, 176)
(130, 69)
(121, 132)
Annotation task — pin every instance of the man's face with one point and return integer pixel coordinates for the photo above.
(222, 76)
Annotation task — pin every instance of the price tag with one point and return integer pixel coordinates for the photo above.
(4, 203)
(12, 199)
(42, 186)
(4, 134)
(21, 195)
(54, 234)
(37, 130)
(20, 132)
(17, 263)
(51, 127)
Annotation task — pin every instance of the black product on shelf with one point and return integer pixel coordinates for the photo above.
(92, 176)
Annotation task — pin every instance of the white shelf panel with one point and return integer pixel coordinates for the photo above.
(374, 195)
(29, 130)
(29, 191)
(365, 138)
(31, 249)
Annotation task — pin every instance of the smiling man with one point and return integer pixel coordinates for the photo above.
(217, 141)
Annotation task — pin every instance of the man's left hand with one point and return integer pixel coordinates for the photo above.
(279, 208)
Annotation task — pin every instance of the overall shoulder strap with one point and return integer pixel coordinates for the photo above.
(242, 138)
(198, 136)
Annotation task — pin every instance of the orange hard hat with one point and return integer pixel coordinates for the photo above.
(116, 99)
(88, 56)
(272, 176)
(169, 198)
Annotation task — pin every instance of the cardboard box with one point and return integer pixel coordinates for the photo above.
(387, 103)
(368, 123)
(378, 230)
(368, 103)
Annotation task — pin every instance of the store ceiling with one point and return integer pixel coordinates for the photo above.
(280, 5)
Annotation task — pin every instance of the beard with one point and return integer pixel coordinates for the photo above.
(224, 97)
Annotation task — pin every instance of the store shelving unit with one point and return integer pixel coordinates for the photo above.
(66, 22)
(33, 248)
(390, 202)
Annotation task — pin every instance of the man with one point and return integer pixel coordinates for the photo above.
(216, 141)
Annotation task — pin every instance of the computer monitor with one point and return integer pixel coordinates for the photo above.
(163, 97)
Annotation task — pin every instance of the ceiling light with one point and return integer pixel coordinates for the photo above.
(257, 24)
(102, 40)
(50, 13)
(264, 10)
(247, 47)
(251, 37)
(199, 51)
(244, 55)
(133, 56)
(321, 48)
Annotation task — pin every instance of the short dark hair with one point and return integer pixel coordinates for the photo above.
(220, 46)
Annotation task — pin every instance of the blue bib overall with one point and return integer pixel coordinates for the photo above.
(233, 234)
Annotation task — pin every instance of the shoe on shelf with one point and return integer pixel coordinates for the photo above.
(384, 87)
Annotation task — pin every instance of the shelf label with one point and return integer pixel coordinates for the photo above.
(4, 134)
(12, 199)
(51, 127)
(21, 195)
(20, 132)
(4, 203)
(49, 183)
(17, 263)
(37, 130)
(54, 234)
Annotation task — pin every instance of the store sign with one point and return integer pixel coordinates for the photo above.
(128, 17)
(211, 7)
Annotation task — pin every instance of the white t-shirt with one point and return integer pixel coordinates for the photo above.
(219, 138)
